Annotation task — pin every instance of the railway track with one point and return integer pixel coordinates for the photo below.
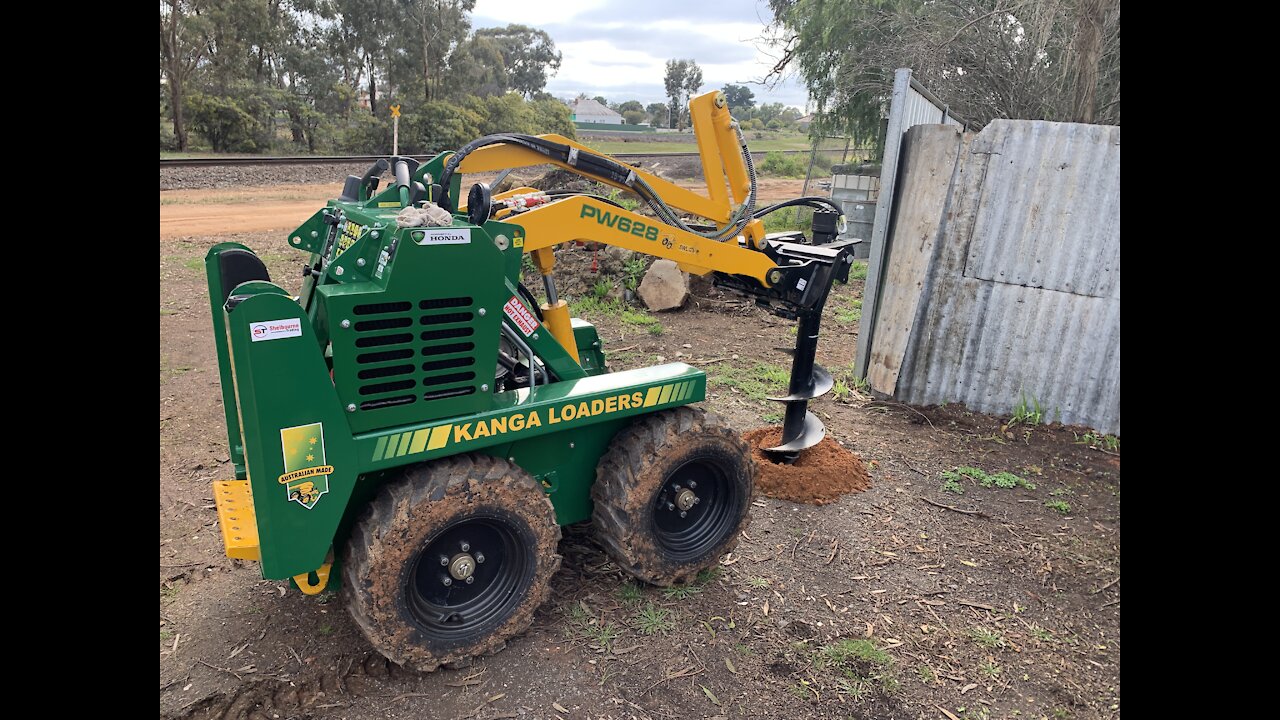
(352, 159)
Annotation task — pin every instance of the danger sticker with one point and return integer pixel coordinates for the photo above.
(520, 315)
(446, 236)
(275, 329)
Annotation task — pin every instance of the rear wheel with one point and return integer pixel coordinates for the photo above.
(451, 560)
(671, 495)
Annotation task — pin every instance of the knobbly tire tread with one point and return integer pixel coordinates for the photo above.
(632, 471)
(403, 515)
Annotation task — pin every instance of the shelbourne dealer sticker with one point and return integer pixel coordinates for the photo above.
(275, 329)
(429, 439)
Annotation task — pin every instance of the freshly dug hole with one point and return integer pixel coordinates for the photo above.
(819, 476)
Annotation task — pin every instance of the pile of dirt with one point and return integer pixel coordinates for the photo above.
(819, 476)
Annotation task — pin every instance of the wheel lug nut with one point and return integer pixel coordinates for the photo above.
(671, 506)
(465, 546)
(697, 500)
(676, 488)
(683, 513)
(471, 579)
(444, 560)
(479, 557)
(447, 581)
(693, 485)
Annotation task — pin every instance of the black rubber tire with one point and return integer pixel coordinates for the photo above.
(631, 477)
(412, 512)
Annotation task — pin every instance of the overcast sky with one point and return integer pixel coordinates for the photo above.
(619, 48)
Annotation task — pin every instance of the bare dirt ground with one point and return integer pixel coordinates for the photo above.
(904, 601)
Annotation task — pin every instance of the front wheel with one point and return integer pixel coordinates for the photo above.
(451, 560)
(672, 494)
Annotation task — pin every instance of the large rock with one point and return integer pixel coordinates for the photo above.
(664, 286)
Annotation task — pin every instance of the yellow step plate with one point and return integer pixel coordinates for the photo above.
(236, 518)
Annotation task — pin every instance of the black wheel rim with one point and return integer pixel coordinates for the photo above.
(705, 523)
(502, 564)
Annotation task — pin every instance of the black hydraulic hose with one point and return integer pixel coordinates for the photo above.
(812, 201)
(533, 302)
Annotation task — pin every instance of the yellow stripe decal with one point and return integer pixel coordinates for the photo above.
(666, 394)
(391, 446)
(419, 440)
(683, 391)
(652, 398)
(404, 443)
(439, 437)
(377, 449)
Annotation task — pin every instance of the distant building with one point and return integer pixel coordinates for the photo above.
(588, 111)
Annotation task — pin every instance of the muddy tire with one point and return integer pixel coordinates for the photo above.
(672, 494)
(410, 554)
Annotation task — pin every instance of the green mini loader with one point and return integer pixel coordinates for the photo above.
(417, 422)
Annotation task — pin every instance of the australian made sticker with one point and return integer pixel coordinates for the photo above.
(520, 315)
(306, 476)
(443, 236)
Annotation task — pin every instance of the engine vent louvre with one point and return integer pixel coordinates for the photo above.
(440, 344)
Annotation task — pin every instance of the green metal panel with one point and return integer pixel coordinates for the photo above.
(282, 384)
(590, 354)
(229, 408)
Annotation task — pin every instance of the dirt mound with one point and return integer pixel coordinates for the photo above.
(819, 476)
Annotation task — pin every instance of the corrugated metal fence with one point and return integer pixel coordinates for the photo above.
(1002, 272)
(910, 105)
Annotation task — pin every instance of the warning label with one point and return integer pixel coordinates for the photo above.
(520, 315)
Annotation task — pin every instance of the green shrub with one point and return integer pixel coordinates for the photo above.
(780, 165)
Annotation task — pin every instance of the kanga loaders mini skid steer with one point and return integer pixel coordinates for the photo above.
(416, 419)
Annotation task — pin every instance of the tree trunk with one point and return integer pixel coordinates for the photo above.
(373, 90)
(1089, 37)
(426, 62)
(179, 121)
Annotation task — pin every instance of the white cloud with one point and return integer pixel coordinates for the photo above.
(619, 48)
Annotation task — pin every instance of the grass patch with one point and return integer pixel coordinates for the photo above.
(990, 670)
(630, 593)
(858, 270)
(925, 673)
(851, 312)
(951, 484)
(1059, 506)
(787, 219)
(196, 264)
(756, 382)
(861, 665)
(772, 418)
(986, 637)
(651, 619)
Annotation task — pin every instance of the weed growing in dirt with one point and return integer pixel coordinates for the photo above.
(603, 635)
(630, 593)
(952, 480)
(926, 673)
(1059, 492)
(986, 637)
(633, 273)
(1059, 506)
(759, 583)
(772, 418)
(858, 270)
(165, 636)
(652, 619)
(841, 391)
(861, 665)
(681, 592)
(325, 630)
(1024, 414)
(196, 264)
(628, 201)
(1043, 635)
(1006, 480)
(601, 289)
(743, 649)
(655, 329)
(989, 669)
(1097, 441)
(799, 692)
